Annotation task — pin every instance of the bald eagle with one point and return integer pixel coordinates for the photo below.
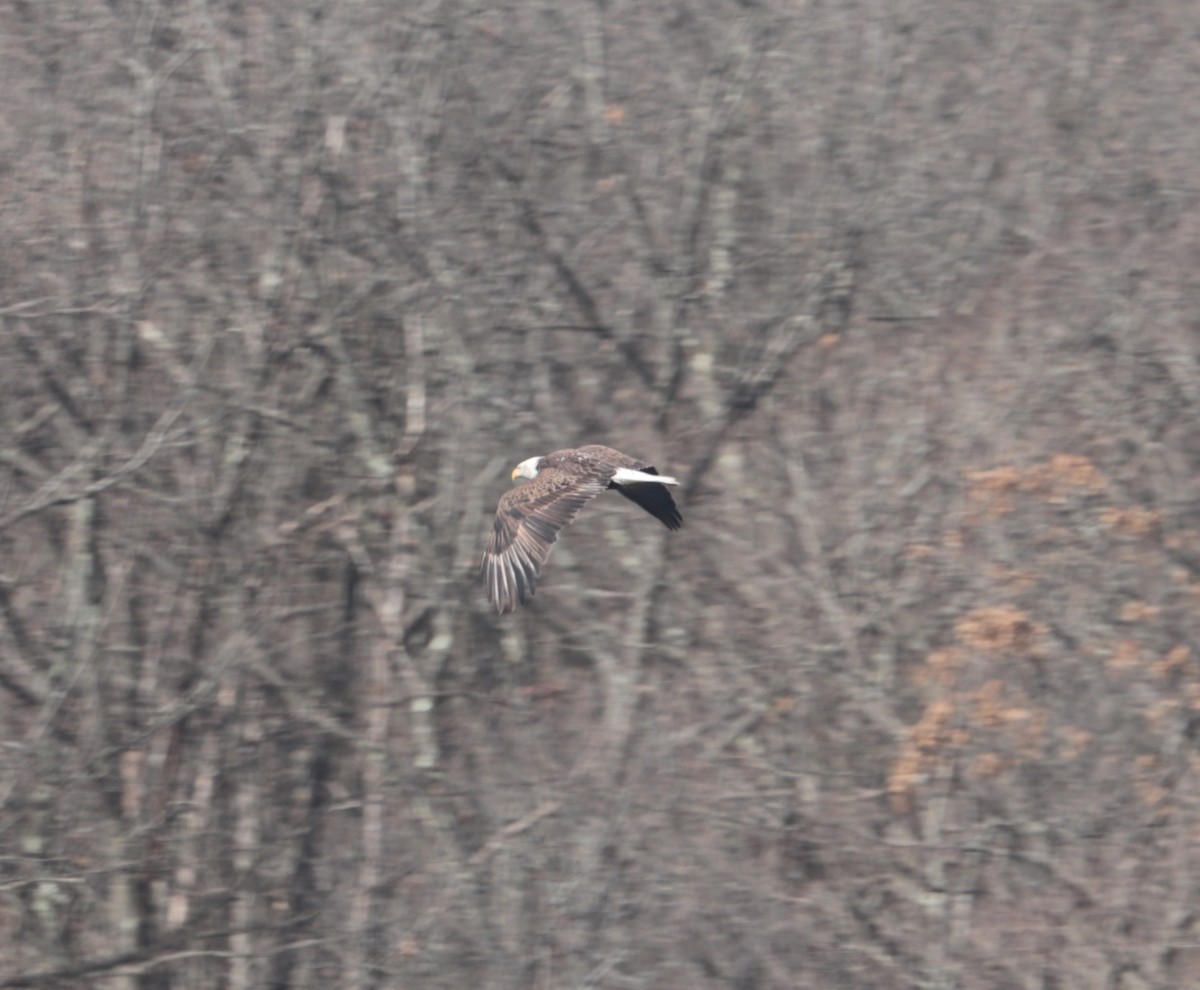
(560, 484)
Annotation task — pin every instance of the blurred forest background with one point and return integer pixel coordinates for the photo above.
(905, 293)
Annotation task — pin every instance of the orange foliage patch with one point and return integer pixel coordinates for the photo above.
(931, 731)
(930, 734)
(1161, 710)
(988, 706)
(994, 629)
(940, 667)
(992, 491)
(1131, 521)
(1148, 788)
(1175, 660)
(998, 707)
(1126, 656)
(986, 765)
(995, 712)
(1063, 475)
(780, 707)
(1076, 741)
(1016, 580)
(1152, 793)
(1031, 729)
(614, 115)
(1139, 612)
(1186, 540)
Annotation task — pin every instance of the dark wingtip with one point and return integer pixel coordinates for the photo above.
(655, 499)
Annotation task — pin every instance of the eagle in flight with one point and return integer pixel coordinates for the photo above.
(560, 484)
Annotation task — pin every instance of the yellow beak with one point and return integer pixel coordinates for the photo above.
(516, 473)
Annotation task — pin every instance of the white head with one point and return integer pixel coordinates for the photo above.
(528, 468)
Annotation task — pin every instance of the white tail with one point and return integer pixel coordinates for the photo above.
(628, 476)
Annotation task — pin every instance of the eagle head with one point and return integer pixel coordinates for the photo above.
(528, 468)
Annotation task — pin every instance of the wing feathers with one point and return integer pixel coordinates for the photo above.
(527, 524)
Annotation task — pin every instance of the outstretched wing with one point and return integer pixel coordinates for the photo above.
(655, 499)
(527, 523)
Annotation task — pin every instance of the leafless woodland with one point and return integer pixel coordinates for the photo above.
(905, 293)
